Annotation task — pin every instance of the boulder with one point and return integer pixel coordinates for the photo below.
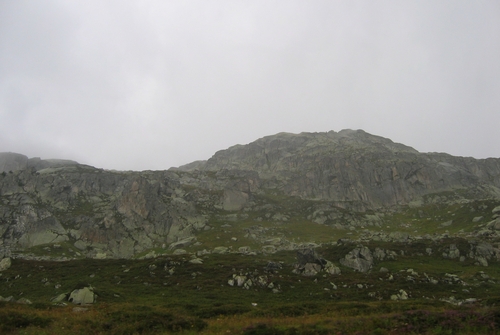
(8, 299)
(60, 298)
(24, 301)
(82, 296)
(311, 269)
(220, 250)
(401, 296)
(182, 243)
(273, 267)
(331, 268)
(5, 264)
(196, 261)
(359, 259)
(308, 255)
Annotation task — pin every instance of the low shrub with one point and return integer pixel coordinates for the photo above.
(12, 320)
(132, 322)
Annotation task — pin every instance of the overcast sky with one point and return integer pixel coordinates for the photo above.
(135, 85)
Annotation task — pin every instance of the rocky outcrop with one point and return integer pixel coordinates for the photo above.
(359, 259)
(101, 213)
(355, 167)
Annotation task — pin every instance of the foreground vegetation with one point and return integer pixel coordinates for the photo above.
(168, 294)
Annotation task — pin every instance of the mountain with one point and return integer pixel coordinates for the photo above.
(10, 161)
(278, 192)
(354, 166)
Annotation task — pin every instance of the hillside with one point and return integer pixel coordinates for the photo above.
(279, 192)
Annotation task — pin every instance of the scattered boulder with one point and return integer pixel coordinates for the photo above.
(452, 252)
(8, 299)
(482, 252)
(359, 259)
(82, 296)
(182, 243)
(273, 267)
(196, 261)
(24, 301)
(402, 295)
(446, 224)
(60, 298)
(311, 269)
(308, 255)
(330, 268)
(5, 264)
(220, 250)
(309, 263)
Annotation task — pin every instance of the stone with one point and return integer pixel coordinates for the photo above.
(196, 261)
(307, 255)
(24, 301)
(8, 299)
(359, 259)
(454, 252)
(82, 296)
(60, 298)
(446, 224)
(273, 267)
(311, 269)
(5, 263)
(402, 295)
(182, 243)
(379, 254)
(330, 268)
(482, 261)
(244, 250)
(220, 250)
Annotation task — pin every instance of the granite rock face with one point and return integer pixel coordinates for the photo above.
(354, 167)
(110, 214)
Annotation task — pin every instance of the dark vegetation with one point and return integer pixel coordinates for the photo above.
(142, 297)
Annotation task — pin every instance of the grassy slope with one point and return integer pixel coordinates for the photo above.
(140, 296)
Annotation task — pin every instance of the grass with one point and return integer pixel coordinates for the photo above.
(142, 297)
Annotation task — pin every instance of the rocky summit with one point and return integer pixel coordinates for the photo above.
(280, 192)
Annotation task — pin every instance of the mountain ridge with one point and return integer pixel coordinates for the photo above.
(343, 180)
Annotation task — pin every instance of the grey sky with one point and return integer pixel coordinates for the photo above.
(154, 84)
